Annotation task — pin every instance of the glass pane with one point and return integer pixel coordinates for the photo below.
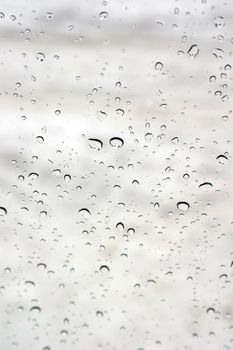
(116, 174)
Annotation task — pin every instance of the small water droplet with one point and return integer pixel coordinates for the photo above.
(158, 66)
(35, 309)
(33, 176)
(193, 50)
(103, 15)
(40, 56)
(39, 139)
(120, 111)
(104, 268)
(222, 159)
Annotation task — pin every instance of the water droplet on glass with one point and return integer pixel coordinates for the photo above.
(219, 22)
(104, 268)
(40, 56)
(193, 50)
(85, 212)
(95, 144)
(39, 139)
(116, 142)
(222, 159)
(35, 309)
(183, 206)
(103, 15)
(33, 176)
(120, 111)
(3, 211)
(158, 66)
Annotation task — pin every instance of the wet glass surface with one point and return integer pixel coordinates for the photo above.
(116, 175)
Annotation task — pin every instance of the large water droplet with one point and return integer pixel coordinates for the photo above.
(183, 206)
(116, 142)
(95, 144)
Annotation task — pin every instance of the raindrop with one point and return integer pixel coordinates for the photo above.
(222, 158)
(205, 184)
(210, 310)
(227, 67)
(104, 268)
(42, 265)
(120, 226)
(183, 206)
(120, 111)
(103, 15)
(56, 172)
(33, 176)
(219, 22)
(158, 66)
(35, 308)
(57, 112)
(95, 144)
(30, 283)
(39, 139)
(116, 142)
(193, 51)
(40, 56)
(175, 140)
(148, 136)
(212, 79)
(86, 212)
(3, 211)
(67, 178)
(99, 313)
(218, 53)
